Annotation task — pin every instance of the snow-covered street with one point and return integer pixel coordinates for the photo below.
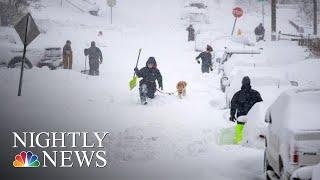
(170, 138)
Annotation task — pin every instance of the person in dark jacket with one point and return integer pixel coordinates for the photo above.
(259, 32)
(95, 59)
(241, 103)
(149, 74)
(206, 58)
(67, 55)
(191, 31)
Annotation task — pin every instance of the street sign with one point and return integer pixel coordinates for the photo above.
(28, 31)
(111, 3)
(27, 24)
(237, 12)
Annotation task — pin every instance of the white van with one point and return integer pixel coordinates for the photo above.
(293, 133)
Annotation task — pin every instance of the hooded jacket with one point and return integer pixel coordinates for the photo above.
(259, 30)
(150, 75)
(94, 53)
(244, 99)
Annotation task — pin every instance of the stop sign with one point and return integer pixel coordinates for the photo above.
(237, 12)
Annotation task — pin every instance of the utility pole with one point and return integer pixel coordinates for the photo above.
(315, 18)
(61, 3)
(262, 9)
(111, 15)
(273, 20)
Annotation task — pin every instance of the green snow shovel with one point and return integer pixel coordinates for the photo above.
(133, 82)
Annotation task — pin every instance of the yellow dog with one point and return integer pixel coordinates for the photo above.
(181, 88)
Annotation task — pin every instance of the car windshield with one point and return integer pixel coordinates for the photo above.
(198, 5)
(53, 52)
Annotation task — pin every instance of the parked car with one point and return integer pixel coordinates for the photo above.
(200, 4)
(52, 58)
(293, 133)
(193, 15)
(11, 50)
(17, 62)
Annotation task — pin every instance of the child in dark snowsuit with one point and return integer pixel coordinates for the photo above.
(149, 75)
(206, 58)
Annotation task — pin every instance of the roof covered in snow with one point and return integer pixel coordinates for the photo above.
(297, 109)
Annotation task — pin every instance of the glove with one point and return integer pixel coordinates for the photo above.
(136, 69)
(161, 88)
(211, 69)
(198, 61)
(232, 118)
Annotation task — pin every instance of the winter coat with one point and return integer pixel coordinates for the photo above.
(94, 54)
(206, 58)
(243, 101)
(191, 33)
(67, 50)
(149, 77)
(67, 57)
(259, 30)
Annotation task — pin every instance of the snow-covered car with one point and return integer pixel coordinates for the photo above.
(11, 52)
(12, 58)
(293, 133)
(52, 58)
(193, 15)
(200, 4)
(307, 173)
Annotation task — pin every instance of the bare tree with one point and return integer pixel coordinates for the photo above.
(12, 10)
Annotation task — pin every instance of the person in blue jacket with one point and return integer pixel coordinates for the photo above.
(149, 74)
(206, 58)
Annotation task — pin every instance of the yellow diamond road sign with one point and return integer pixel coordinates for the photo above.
(27, 24)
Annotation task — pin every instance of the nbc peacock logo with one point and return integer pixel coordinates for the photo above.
(26, 159)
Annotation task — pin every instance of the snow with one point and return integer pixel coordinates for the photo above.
(316, 172)
(172, 138)
(255, 127)
(303, 173)
(294, 108)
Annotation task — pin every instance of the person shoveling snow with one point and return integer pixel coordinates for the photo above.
(149, 75)
(241, 103)
(95, 59)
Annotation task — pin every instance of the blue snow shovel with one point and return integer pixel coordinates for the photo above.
(133, 82)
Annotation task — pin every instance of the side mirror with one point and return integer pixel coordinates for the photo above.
(225, 81)
(268, 118)
(294, 83)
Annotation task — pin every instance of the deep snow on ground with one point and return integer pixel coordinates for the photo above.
(174, 138)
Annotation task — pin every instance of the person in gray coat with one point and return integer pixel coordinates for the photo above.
(259, 32)
(95, 59)
(191, 31)
(206, 58)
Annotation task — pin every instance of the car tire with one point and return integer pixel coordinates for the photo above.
(18, 59)
(282, 175)
(266, 165)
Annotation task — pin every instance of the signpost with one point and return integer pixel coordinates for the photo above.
(273, 20)
(315, 18)
(27, 31)
(237, 13)
(111, 4)
(262, 8)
